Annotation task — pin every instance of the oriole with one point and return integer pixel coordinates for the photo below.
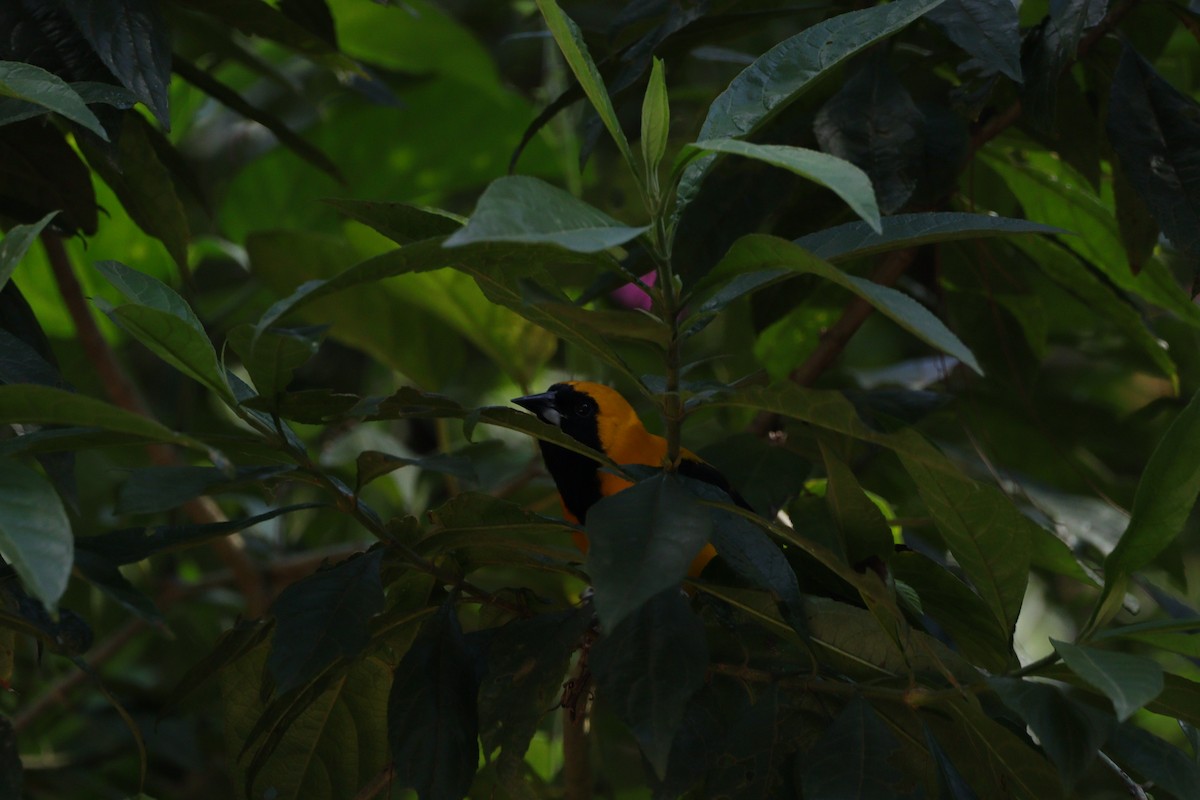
(599, 417)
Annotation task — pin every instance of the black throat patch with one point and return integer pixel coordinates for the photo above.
(576, 476)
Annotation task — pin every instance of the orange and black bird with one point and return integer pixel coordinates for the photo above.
(599, 417)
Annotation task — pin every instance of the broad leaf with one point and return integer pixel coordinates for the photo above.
(46, 405)
(988, 30)
(757, 260)
(107, 577)
(400, 222)
(143, 184)
(857, 239)
(134, 43)
(951, 782)
(432, 722)
(35, 534)
(1129, 681)
(332, 747)
(986, 533)
(574, 50)
(1156, 761)
(641, 542)
(152, 489)
(780, 75)
(1165, 496)
(323, 618)
(163, 321)
(35, 85)
(1155, 131)
(846, 180)
(648, 667)
(851, 758)
(273, 356)
(16, 244)
(1070, 732)
(519, 208)
(872, 122)
(864, 531)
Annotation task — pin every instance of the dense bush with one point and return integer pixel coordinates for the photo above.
(271, 273)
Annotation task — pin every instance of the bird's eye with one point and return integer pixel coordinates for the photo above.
(586, 408)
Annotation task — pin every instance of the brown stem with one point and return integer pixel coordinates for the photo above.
(577, 766)
(123, 393)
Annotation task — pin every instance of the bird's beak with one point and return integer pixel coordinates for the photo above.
(542, 405)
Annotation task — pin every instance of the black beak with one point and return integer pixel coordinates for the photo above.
(539, 404)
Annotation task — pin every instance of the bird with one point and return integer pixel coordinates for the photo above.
(598, 416)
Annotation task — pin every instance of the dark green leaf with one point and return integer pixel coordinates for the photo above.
(951, 603)
(574, 50)
(1138, 228)
(766, 475)
(1070, 732)
(133, 42)
(154, 489)
(310, 406)
(1129, 681)
(431, 712)
(143, 184)
(656, 122)
(648, 668)
(1165, 495)
(1155, 131)
(107, 577)
(35, 534)
(864, 531)
(518, 208)
(988, 30)
(372, 464)
(244, 636)
(781, 74)
(837, 174)
(35, 85)
(43, 173)
(641, 542)
(323, 618)
(400, 222)
(872, 122)
(1157, 761)
(526, 663)
(10, 761)
(16, 244)
(130, 545)
(255, 18)
(21, 363)
(986, 533)
(272, 356)
(850, 761)
(1047, 52)
(768, 259)
(952, 785)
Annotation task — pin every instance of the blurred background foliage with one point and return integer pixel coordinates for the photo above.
(254, 123)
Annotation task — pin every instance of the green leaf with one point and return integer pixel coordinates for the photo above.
(872, 122)
(527, 660)
(163, 321)
(951, 782)
(273, 356)
(864, 531)
(46, 405)
(143, 184)
(962, 613)
(1129, 681)
(1155, 131)
(35, 534)
(400, 222)
(574, 50)
(649, 666)
(372, 464)
(986, 533)
(780, 75)
(857, 239)
(323, 618)
(134, 42)
(255, 18)
(16, 244)
(153, 489)
(35, 85)
(1070, 732)
(1165, 495)
(757, 260)
(333, 747)
(641, 542)
(656, 121)
(106, 576)
(518, 208)
(988, 30)
(432, 721)
(851, 759)
(1051, 192)
(131, 545)
(845, 180)
(1156, 761)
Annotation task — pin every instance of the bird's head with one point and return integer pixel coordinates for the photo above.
(587, 412)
